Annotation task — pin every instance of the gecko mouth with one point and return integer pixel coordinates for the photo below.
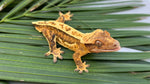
(106, 50)
(112, 50)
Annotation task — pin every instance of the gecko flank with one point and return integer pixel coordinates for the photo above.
(81, 43)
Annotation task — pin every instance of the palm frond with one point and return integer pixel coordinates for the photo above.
(16, 9)
(5, 3)
(22, 47)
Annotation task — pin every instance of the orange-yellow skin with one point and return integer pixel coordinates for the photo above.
(81, 43)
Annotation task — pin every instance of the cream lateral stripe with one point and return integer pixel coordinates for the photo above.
(63, 27)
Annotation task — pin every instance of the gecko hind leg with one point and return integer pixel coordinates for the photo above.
(51, 38)
(56, 54)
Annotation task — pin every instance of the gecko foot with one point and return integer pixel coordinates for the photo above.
(67, 16)
(82, 67)
(56, 54)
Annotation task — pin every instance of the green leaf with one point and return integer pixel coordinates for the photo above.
(17, 8)
(34, 51)
(36, 5)
(89, 8)
(10, 28)
(85, 1)
(52, 3)
(5, 3)
(108, 3)
(119, 56)
(86, 18)
(22, 48)
(23, 39)
(63, 2)
(109, 24)
(3, 82)
(134, 41)
(144, 48)
(126, 33)
(35, 67)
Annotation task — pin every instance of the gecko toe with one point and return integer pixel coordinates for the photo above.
(60, 57)
(62, 52)
(48, 53)
(86, 70)
(54, 59)
(76, 69)
(88, 65)
(80, 71)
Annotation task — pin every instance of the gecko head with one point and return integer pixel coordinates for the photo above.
(100, 41)
(66, 16)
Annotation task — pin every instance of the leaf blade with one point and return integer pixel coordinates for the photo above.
(17, 8)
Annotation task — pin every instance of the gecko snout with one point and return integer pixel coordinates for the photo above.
(116, 44)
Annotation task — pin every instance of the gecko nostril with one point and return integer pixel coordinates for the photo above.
(115, 45)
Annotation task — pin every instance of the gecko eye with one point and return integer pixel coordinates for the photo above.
(98, 43)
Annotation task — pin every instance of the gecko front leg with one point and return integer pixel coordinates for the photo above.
(81, 66)
(64, 17)
(51, 38)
